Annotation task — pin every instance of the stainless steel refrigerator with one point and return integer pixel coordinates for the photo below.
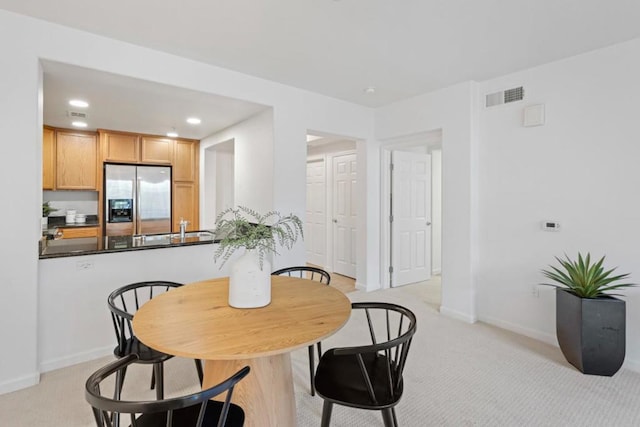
(137, 199)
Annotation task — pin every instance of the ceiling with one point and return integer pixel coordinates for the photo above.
(338, 48)
(128, 104)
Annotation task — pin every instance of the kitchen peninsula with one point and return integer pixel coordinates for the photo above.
(74, 322)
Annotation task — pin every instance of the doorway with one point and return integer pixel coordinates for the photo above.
(411, 209)
(331, 214)
(345, 214)
(218, 182)
(410, 217)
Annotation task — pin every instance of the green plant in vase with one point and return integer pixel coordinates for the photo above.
(47, 209)
(590, 321)
(259, 234)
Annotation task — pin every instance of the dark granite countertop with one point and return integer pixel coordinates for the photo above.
(59, 221)
(93, 245)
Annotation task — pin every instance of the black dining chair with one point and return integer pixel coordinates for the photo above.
(192, 410)
(123, 304)
(311, 273)
(369, 376)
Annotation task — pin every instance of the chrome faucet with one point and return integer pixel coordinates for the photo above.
(183, 227)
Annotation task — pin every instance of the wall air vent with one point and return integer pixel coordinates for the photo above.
(505, 96)
(77, 114)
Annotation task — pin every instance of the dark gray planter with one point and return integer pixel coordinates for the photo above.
(591, 332)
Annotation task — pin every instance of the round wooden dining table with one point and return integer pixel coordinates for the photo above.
(196, 321)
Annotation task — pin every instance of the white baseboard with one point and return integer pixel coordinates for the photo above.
(513, 327)
(631, 365)
(20, 383)
(74, 359)
(458, 315)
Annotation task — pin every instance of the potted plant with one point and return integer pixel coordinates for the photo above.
(590, 322)
(259, 234)
(46, 211)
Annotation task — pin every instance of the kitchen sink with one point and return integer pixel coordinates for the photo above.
(190, 234)
(171, 238)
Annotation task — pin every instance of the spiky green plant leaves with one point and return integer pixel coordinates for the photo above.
(242, 227)
(47, 209)
(583, 278)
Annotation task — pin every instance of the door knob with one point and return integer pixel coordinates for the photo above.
(335, 220)
(428, 222)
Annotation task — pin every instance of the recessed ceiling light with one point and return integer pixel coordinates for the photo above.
(172, 134)
(79, 124)
(370, 89)
(79, 103)
(194, 120)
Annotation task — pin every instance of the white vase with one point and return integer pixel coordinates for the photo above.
(249, 285)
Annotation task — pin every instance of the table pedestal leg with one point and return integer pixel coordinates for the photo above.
(266, 394)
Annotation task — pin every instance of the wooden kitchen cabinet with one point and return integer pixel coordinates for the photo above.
(48, 158)
(185, 205)
(185, 184)
(156, 150)
(77, 232)
(130, 148)
(120, 147)
(185, 163)
(76, 161)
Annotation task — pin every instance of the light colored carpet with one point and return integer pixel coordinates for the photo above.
(457, 375)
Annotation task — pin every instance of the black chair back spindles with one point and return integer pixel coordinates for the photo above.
(123, 303)
(369, 376)
(191, 410)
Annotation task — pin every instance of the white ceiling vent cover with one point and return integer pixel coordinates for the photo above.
(505, 96)
(77, 114)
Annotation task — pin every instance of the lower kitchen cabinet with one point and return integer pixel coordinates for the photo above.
(77, 232)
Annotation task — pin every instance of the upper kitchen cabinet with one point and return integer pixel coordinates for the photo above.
(156, 150)
(48, 158)
(185, 165)
(76, 160)
(123, 147)
(119, 147)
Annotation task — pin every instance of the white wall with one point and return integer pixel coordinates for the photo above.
(208, 203)
(225, 178)
(85, 202)
(216, 182)
(23, 41)
(253, 160)
(580, 168)
(454, 110)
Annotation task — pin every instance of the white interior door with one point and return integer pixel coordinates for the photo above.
(344, 214)
(411, 217)
(315, 227)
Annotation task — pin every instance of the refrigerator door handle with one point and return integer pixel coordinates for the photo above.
(138, 229)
